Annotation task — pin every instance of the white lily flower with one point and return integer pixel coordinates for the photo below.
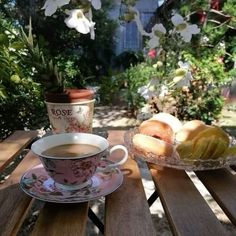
(144, 92)
(164, 91)
(154, 42)
(150, 90)
(77, 20)
(158, 30)
(96, 4)
(50, 6)
(177, 19)
(185, 79)
(183, 65)
(183, 28)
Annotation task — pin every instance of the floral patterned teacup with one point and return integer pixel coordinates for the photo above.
(77, 171)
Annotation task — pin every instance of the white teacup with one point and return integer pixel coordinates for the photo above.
(70, 167)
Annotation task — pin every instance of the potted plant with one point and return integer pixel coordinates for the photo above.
(69, 109)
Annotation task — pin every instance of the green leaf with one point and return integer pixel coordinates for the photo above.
(17, 45)
(4, 39)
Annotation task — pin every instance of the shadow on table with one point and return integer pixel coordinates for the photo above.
(103, 129)
(159, 221)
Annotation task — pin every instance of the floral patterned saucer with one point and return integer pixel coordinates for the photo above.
(37, 184)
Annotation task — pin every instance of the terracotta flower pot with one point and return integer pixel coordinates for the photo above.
(71, 111)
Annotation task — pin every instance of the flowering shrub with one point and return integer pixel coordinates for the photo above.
(189, 54)
(190, 65)
(167, 44)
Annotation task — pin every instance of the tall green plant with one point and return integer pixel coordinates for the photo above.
(21, 103)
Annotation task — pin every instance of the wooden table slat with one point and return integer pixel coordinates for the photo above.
(14, 204)
(185, 208)
(13, 145)
(222, 186)
(29, 161)
(127, 207)
(62, 219)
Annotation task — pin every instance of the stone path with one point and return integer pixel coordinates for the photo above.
(117, 117)
(112, 117)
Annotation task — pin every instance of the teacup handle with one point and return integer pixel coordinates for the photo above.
(115, 164)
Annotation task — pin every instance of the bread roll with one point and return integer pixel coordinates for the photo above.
(169, 119)
(157, 129)
(189, 130)
(148, 144)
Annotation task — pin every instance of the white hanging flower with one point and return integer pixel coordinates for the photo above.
(184, 77)
(77, 20)
(96, 4)
(154, 42)
(158, 31)
(50, 6)
(183, 28)
(164, 91)
(144, 92)
(183, 65)
(150, 90)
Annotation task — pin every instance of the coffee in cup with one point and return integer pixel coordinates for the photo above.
(71, 150)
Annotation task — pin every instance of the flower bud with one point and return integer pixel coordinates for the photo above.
(159, 63)
(15, 79)
(180, 72)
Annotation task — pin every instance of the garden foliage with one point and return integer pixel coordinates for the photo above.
(21, 104)
(211, 57)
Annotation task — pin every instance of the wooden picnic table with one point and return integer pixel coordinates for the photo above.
(126, 210)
